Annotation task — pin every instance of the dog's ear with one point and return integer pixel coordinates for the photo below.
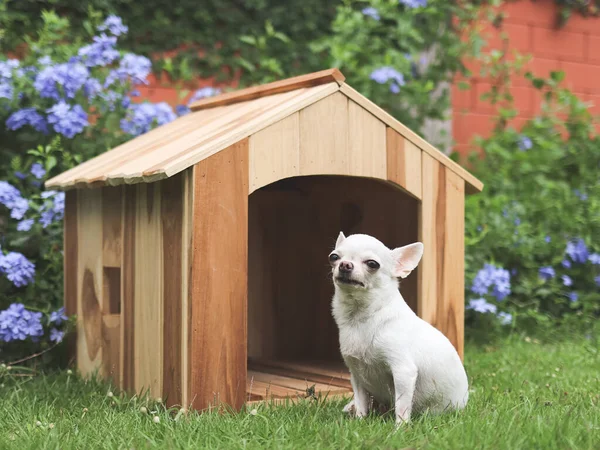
(340, 239)
(406, 259)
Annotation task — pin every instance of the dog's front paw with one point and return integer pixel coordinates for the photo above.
(349, 408)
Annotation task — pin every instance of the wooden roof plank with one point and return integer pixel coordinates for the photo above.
(276, 87)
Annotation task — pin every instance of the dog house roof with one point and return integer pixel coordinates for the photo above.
(216, 123)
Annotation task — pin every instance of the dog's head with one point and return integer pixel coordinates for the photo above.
(361, 262)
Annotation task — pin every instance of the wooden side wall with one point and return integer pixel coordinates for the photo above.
(219, 280)
(441, 278)
(126, 272)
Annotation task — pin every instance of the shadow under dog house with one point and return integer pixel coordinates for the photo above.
(196, 254)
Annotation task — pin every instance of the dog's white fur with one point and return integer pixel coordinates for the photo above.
(394, 357)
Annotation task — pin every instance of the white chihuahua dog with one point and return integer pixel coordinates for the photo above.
(395, 357)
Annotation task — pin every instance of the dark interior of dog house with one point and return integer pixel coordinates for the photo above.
(293, 225)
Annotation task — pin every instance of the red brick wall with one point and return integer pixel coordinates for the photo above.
(532, 29)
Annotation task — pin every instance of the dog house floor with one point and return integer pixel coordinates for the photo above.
(286, 379)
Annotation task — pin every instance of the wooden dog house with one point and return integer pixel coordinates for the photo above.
(196, 254)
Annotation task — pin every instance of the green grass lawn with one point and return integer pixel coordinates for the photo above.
(524, 395)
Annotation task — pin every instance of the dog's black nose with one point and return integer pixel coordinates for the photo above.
(346, 267)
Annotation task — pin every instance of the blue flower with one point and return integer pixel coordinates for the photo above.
(182, 110)
(505, 318)
(567, 281)
(111, 98)
(70, 76)
(27, 116)
(56, 335)
(577, 251)
(91, 88)
(67, 120)
(20, 175)
(394, 88)
(546, 273)
(57, 317)
(101, 52)
(493, 277)
(413, 3)
(6, 89)
(45, 61)
(525, 143)
(8, 67)
(204, 93)
(385, 74)
(597, 280)
(482, 306)
(371, 12)
(17, 323)
(134, 67)
(17, 268)
(566, 263)
(53, 209)
(114, 24)
(517, 221)
(142, 117)
(11, 198)
(573, 296)
(594, 258)
(582, 195)
(38, 171)
(547, 239)
(25, 225)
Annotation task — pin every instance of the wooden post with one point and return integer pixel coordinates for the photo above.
(442, 269)
(218, 319)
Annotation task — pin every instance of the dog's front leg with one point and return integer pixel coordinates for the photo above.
(361, 397)
(405, 379)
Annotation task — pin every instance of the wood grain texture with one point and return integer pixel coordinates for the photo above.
(90, 276)
(403, 163)
(172, 191)
(111, 348)
(276, 87)
(473, 185)
(451, 308)
(441, 281)
(275, 152)
(428, 235)
(186, 285)
(218, 324)
(111, 226)
(70, 264)
(366, 143)
(324, 137)
(128, 288)
(148, 290)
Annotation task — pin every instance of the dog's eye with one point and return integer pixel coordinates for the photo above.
(334, 257)
(372, 264)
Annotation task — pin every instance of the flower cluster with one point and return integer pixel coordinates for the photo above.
(142, 117)
(496, 280)
(18, 323)
(414, 3)
(371, 12)
(17, 268)
(576, 252)
(385, 74)
(12, 199)
(493, 277)
(53, 208)
(67, 89)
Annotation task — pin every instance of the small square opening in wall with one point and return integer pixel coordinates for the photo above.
(112, 289)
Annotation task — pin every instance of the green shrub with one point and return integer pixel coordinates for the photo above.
(538, 218)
